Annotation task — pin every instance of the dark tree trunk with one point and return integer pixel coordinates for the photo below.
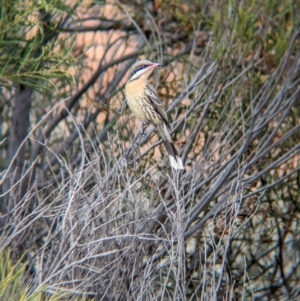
(18, 132)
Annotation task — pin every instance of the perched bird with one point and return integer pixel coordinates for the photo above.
(146, 106)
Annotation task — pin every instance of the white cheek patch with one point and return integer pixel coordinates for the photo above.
(138, 74)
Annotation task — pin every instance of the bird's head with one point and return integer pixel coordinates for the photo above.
(141, 70)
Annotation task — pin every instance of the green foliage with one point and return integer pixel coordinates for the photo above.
(12, 280)
(251, 28)
(31, 48)
(13, 284)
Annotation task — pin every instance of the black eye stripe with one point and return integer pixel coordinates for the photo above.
(139, 68)
(142, 67)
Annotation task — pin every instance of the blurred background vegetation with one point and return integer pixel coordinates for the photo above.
(86, 213)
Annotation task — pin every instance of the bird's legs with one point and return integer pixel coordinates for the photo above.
(135, 143)
(144, 127)
(143, 132)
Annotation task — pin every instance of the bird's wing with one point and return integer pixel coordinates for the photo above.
(150, 90)
(156, 103)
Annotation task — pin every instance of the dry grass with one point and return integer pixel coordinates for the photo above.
(96, 215)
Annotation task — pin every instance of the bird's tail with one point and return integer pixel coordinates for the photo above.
(175, 160)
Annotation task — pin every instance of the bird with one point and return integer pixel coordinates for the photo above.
(145, 104)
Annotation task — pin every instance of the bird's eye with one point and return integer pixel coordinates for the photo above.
(139, 68)
(142, 67)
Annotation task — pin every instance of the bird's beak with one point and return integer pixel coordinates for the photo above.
(155, 65)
